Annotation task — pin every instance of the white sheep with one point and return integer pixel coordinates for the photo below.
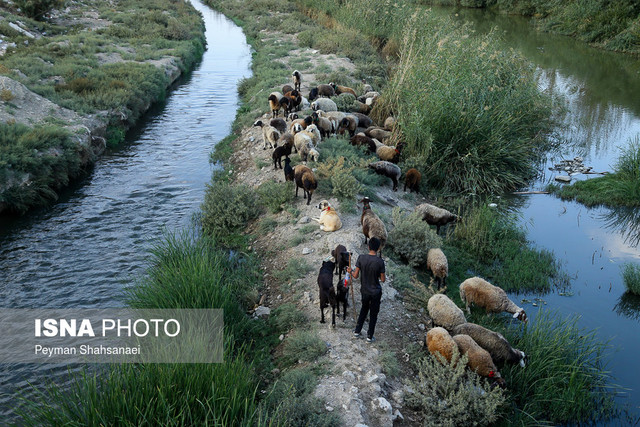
(434, 215)
(324, 104)
(444, 312)
(479, 359)
(314, 155)
(314, 132)
(270, 135)
(437, 263)
(439, 341)
(492, 298)
(498, 347)
(303, 143)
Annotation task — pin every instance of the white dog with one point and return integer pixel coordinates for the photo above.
(329, 219)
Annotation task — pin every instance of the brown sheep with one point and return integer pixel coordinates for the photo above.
(434, 215)
(492, 298)
(438, 265)
(364, 121)
(306, 180)
(342, 89)
(372, 225)
(297, 79)
(282, 150)
(479, 359)
(349, 124)
(279, 124)
(377, 133)
(362, 139)
(274, 103)
(439, 341)
(412, 180)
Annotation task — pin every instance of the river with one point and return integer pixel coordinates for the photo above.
(85, 250)
(600, 90)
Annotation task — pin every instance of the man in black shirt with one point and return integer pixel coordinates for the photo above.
(372, 267)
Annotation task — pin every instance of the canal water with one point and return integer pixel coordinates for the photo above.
(600, 90)
(85, 250)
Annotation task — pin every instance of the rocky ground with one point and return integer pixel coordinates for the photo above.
(356, 386)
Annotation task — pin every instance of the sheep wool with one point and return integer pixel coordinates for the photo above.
(389, 170)
(444, 312)
(274, 103)
(279, 124)
(296, 77)
(324, 104)
(412, 180)
(493, 299)
(434, 215)
(314, 155)
(498, 347)
(372, 225)
(479, 360)
(306, 180)
(440, 342)
(437, 263)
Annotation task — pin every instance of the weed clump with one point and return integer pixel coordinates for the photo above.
(275, 195)
(412, 238)
(227, 208)
(305, 346)
(631, 277)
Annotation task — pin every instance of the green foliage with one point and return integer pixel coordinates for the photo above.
(302, 345)
(412, 238)
(37, 9)
(345, 186)
(34, 162)
(275, 195)
(296, 268)
(507, 260)
(344, 101)
(446, 394)
(565, 381)
(621, 188)
(631, 277)
(227, 208)
(287, 316)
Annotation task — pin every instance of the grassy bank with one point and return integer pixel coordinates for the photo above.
(620, 188)
(93, 60)
(601, 23)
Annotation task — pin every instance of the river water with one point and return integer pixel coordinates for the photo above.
(89, 247)
(600, 90)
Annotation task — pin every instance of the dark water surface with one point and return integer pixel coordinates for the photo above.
(86, 249)
(602, 92)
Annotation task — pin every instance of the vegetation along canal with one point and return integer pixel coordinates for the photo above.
(83, 250)
(603, 115)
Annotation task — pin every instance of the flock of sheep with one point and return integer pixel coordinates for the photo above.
(293, 133)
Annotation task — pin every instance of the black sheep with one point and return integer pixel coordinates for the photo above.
(288, 170)
(283, 150)
(327, 293)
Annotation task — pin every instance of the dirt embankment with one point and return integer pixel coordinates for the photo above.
(356, 386)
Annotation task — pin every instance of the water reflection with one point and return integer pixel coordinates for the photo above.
(629, 306)
(626, 221)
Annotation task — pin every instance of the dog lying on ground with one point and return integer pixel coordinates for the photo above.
(329, 219)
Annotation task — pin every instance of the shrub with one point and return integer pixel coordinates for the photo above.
(287, 316)
(6, 95)
(275, 195)
(631, 277)
(344, 101)
(295, 269)
(412, 238)
(305, 346)
(37, 9)
(449, 395)
(227, 208)
(345, 186)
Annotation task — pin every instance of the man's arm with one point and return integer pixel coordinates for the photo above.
(356, 273)
(382, 277)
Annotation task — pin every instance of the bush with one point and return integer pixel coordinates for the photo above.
(449, 395)
(305, 346)
(37, 9)
(227, 208)
(631, 277)
(275, 195)
(412, 238)
(345, 186)
(287, 316)
(344, 101)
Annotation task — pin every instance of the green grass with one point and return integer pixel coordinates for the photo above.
(621, 188)
(631, 277)
(605, 24)
(302, 346)
(296, 268)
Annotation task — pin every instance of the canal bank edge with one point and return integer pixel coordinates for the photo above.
(90, 132)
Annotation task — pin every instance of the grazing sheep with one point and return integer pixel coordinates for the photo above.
(492, 298)
(325, 126)
(274, 103)
(279, 124)
(342, 89)
(372, 225)
(440, 342)
(388, 153)
(377, 133)
(282, 150)
(288, 170)
(314, 155)
(389, 170)
(389, 123)
(364, 121)
(303, 145)
(329, 219)
(434, 215)
(350, 124)
(444, 312)
(367, 88)
(306, 180)
(342, 259)
(327, 293)
(479, 359)
(297, 79)
(325, 90)
(294, 101)
(335, 115)
(498, 347)
(362, 139)
(270, 135)
(314, 132)
(412, 180)
(286, 89)
(324, 104)
(359, 107)
(437, 263)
